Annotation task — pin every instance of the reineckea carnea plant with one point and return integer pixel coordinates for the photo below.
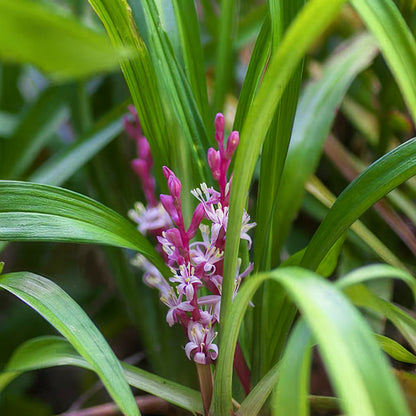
(245, 301)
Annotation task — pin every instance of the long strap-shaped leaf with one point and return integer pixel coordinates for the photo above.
(52, 351)
(314, 116)
(311, 22)
(376, 181)
(396, 43)
(68, 50)
(138, 72)
(50, 301)
(356, 366)
(32, 212)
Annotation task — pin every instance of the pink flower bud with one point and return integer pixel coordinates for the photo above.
(143, 149)
(214, 162)
(139, 167)
(166, 172)
(219, 128)
(174, 185)
(196, 220)
(167, 202)
(174, 236)
(232, 144)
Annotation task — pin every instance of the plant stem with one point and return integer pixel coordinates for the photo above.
(205, 384)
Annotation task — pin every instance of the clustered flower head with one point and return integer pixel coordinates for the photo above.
(194, 264)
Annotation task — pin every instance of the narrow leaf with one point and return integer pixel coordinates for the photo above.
(59, 168)
(314, 117)
(50, 301)
(356, 366)
(32, 212)
(371, 185)
(68, 49)
(52, 351)
(396, 43)
(310, 23)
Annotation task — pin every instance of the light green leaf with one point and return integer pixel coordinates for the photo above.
(32, 212)
(51, 351)
(290, 397)
(33, 131)
(314, 117)
(371, 185)
(395, 350)
(59, 168)
(356, 366)
(50, 301)
(58, 45)
(309, 24)
(396, 43)
(139, 74)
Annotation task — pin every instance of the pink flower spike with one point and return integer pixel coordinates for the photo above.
(219, 129)
(139, 167)
(214, 161)
(167, 202)
(232, 144)
(143, 150)
(196, 220)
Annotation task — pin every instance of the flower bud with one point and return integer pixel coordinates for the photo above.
(219, 128)
(196, 220)
(139, 167)
(232, 144)
(166, 172)
(214, 162)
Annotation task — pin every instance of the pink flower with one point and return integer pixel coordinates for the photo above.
(200, 343)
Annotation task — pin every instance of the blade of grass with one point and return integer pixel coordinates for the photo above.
(359, 372)
(188, 25)
(316, 188)
(272, 161)
(33, 131)
(314, 117)
(376, 181)
(69, 49)
(32, 212)
(62, 165)
(310, 23)
(52, 351)
(396, 43)
(50, 301)
(139, 74)
(178, 93)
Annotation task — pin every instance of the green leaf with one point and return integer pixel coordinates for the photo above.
(8, 123)
(33, 131)
(224, 54)
(316, 188)
(314, 117)
(51, 351)
(188, 25)
(396, 43)
(61, 166)
(58, 45)
(290, 397)
(50, 301)
(32, 212)
(395, 350)
(356, 366)
(180, 101)
(309, 24)
(139, 74)
(371, 185)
